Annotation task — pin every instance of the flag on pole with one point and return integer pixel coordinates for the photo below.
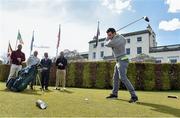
(9, 49)
(32, 41)
(59, 36)
(58, 42)
(97, 34)
(20, 38)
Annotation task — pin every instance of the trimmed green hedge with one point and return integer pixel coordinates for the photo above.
(143, 76)
(4, 72)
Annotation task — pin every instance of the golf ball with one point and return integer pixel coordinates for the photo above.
(86, 99)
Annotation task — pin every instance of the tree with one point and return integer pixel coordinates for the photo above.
(4, 58)
(143, 58)
(73, 55)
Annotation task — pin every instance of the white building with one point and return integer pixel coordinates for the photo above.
(138, 42)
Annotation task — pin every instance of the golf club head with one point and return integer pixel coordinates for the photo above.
(146, 18)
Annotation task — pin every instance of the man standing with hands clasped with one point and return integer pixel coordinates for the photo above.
(61, 64)
(46, 66)
(117, 43)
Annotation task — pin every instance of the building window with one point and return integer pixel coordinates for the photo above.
(158, 61)
(94, 46)
(102, 54)
(139, 50)
(94, 55)
(154, 43)
(102, 44)
(173, 61)
(128, 51)
(128, 40)
(139, 39)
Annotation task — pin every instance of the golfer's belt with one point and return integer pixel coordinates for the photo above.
(122, 58)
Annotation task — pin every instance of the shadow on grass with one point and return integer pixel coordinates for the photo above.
(28, 92)
(160, 108)
(66, 91)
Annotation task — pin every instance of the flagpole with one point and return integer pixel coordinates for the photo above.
(56, 52)
(9, 51)
(16, 40)
(32, 40)
(97, 35)
(58, 41)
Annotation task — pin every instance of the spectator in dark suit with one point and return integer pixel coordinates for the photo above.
(46, 65)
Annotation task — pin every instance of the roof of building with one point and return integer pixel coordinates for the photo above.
(93, 41)
(109, 57)
(125, 35)
(165, 48)
(84, 54)
(136, 33)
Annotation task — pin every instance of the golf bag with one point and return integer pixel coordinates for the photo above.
(25, 76)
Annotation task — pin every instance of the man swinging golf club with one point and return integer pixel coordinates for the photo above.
(117, 43)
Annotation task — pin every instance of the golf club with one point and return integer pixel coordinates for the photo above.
(145, 18)
(172, 96)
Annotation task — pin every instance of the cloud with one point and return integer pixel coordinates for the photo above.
(174, 6)
(117, 6)
(78, 19)
(171, 25)
(41, 8)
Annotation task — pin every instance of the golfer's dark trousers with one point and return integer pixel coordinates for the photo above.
(45, 79)
(120, 71)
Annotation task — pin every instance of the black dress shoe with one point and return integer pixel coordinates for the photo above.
(133, 100)
(112, 96)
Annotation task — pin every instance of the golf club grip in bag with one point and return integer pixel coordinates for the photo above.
(25, 76)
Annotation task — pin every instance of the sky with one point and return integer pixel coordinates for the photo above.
(78, 19)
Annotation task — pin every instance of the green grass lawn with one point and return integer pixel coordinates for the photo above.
(72, 103)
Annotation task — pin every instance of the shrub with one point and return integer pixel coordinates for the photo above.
(158, 76)
(4, 72)
(149, 77)
(165, 77)
(87, 82)
(143, 76)
(70, 75)
(102, 75)
(78, 74)
(140, 76)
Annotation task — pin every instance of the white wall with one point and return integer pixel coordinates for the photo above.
(134, 44)
(98, 49)
(166, 56)
(146, 43)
